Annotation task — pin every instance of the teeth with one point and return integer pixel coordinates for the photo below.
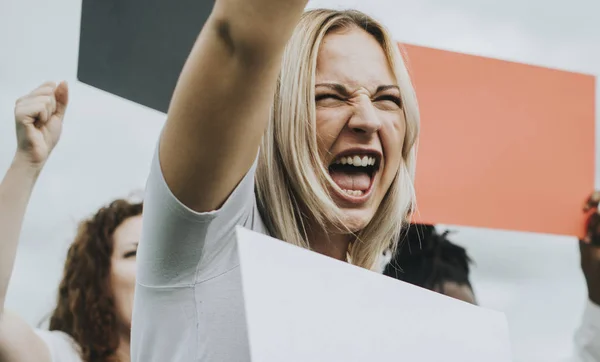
(354, 192)
(358, 161)
(365, 161)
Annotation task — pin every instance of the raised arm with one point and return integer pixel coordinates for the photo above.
(221, 103)
(38, 119)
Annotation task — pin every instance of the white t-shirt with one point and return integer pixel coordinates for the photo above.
(587, 337)
(61, 346)
(188, 303)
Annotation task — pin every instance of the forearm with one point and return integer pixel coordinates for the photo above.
(15, 191)
(221, 104)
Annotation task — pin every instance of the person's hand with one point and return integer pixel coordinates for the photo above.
(592, 201)
(590, 249)
(39, 118)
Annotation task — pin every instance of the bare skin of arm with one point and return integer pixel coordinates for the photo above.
(221, 104)
(38, 117)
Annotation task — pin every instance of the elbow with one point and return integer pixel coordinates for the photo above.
(249, 44)
(222, 29)
(257, 29)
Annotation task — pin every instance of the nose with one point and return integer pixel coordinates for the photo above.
(364, 120)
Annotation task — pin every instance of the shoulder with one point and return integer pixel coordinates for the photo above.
(62, 347)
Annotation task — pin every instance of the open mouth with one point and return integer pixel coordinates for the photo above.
(354, 173)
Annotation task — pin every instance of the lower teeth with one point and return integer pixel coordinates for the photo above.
(354, 192)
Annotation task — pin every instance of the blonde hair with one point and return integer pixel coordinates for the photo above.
(291, 182)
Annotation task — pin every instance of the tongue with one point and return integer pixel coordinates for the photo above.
(351, 180)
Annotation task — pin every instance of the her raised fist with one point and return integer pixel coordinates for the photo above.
(39, 117)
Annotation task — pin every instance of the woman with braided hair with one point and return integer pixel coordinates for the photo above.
(428, 259)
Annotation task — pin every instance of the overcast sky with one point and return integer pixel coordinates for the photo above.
(108, 142)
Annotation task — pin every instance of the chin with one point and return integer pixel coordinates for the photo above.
(356, 220)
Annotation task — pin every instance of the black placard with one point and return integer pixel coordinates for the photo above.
(135, 49)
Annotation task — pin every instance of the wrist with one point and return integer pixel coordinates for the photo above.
(22, 164)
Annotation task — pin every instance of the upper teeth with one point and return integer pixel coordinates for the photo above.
(363, 161)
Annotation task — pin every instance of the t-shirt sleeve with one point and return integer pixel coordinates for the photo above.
(587, 337)
(61, 346)
(181, 247)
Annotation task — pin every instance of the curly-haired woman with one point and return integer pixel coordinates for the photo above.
(92, 318)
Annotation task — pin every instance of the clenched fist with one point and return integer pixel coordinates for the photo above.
(39, 117)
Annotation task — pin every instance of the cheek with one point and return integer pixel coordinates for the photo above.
(123, 279)
(392, 135)
(395, 124)
(329, 124)
(123, 284)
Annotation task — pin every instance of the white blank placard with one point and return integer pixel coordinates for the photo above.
(305, 307)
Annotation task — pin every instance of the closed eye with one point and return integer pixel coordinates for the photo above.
(130, 254)
(320, 97)
(390, 98)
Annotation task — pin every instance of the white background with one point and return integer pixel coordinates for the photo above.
(108, 142)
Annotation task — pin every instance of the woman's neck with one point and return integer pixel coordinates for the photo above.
(333, 245)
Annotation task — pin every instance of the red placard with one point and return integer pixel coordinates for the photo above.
(503, 145)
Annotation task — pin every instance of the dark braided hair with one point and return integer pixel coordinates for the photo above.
(428, 259)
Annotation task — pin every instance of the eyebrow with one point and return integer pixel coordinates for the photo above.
(340, 88)
(382, 88)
